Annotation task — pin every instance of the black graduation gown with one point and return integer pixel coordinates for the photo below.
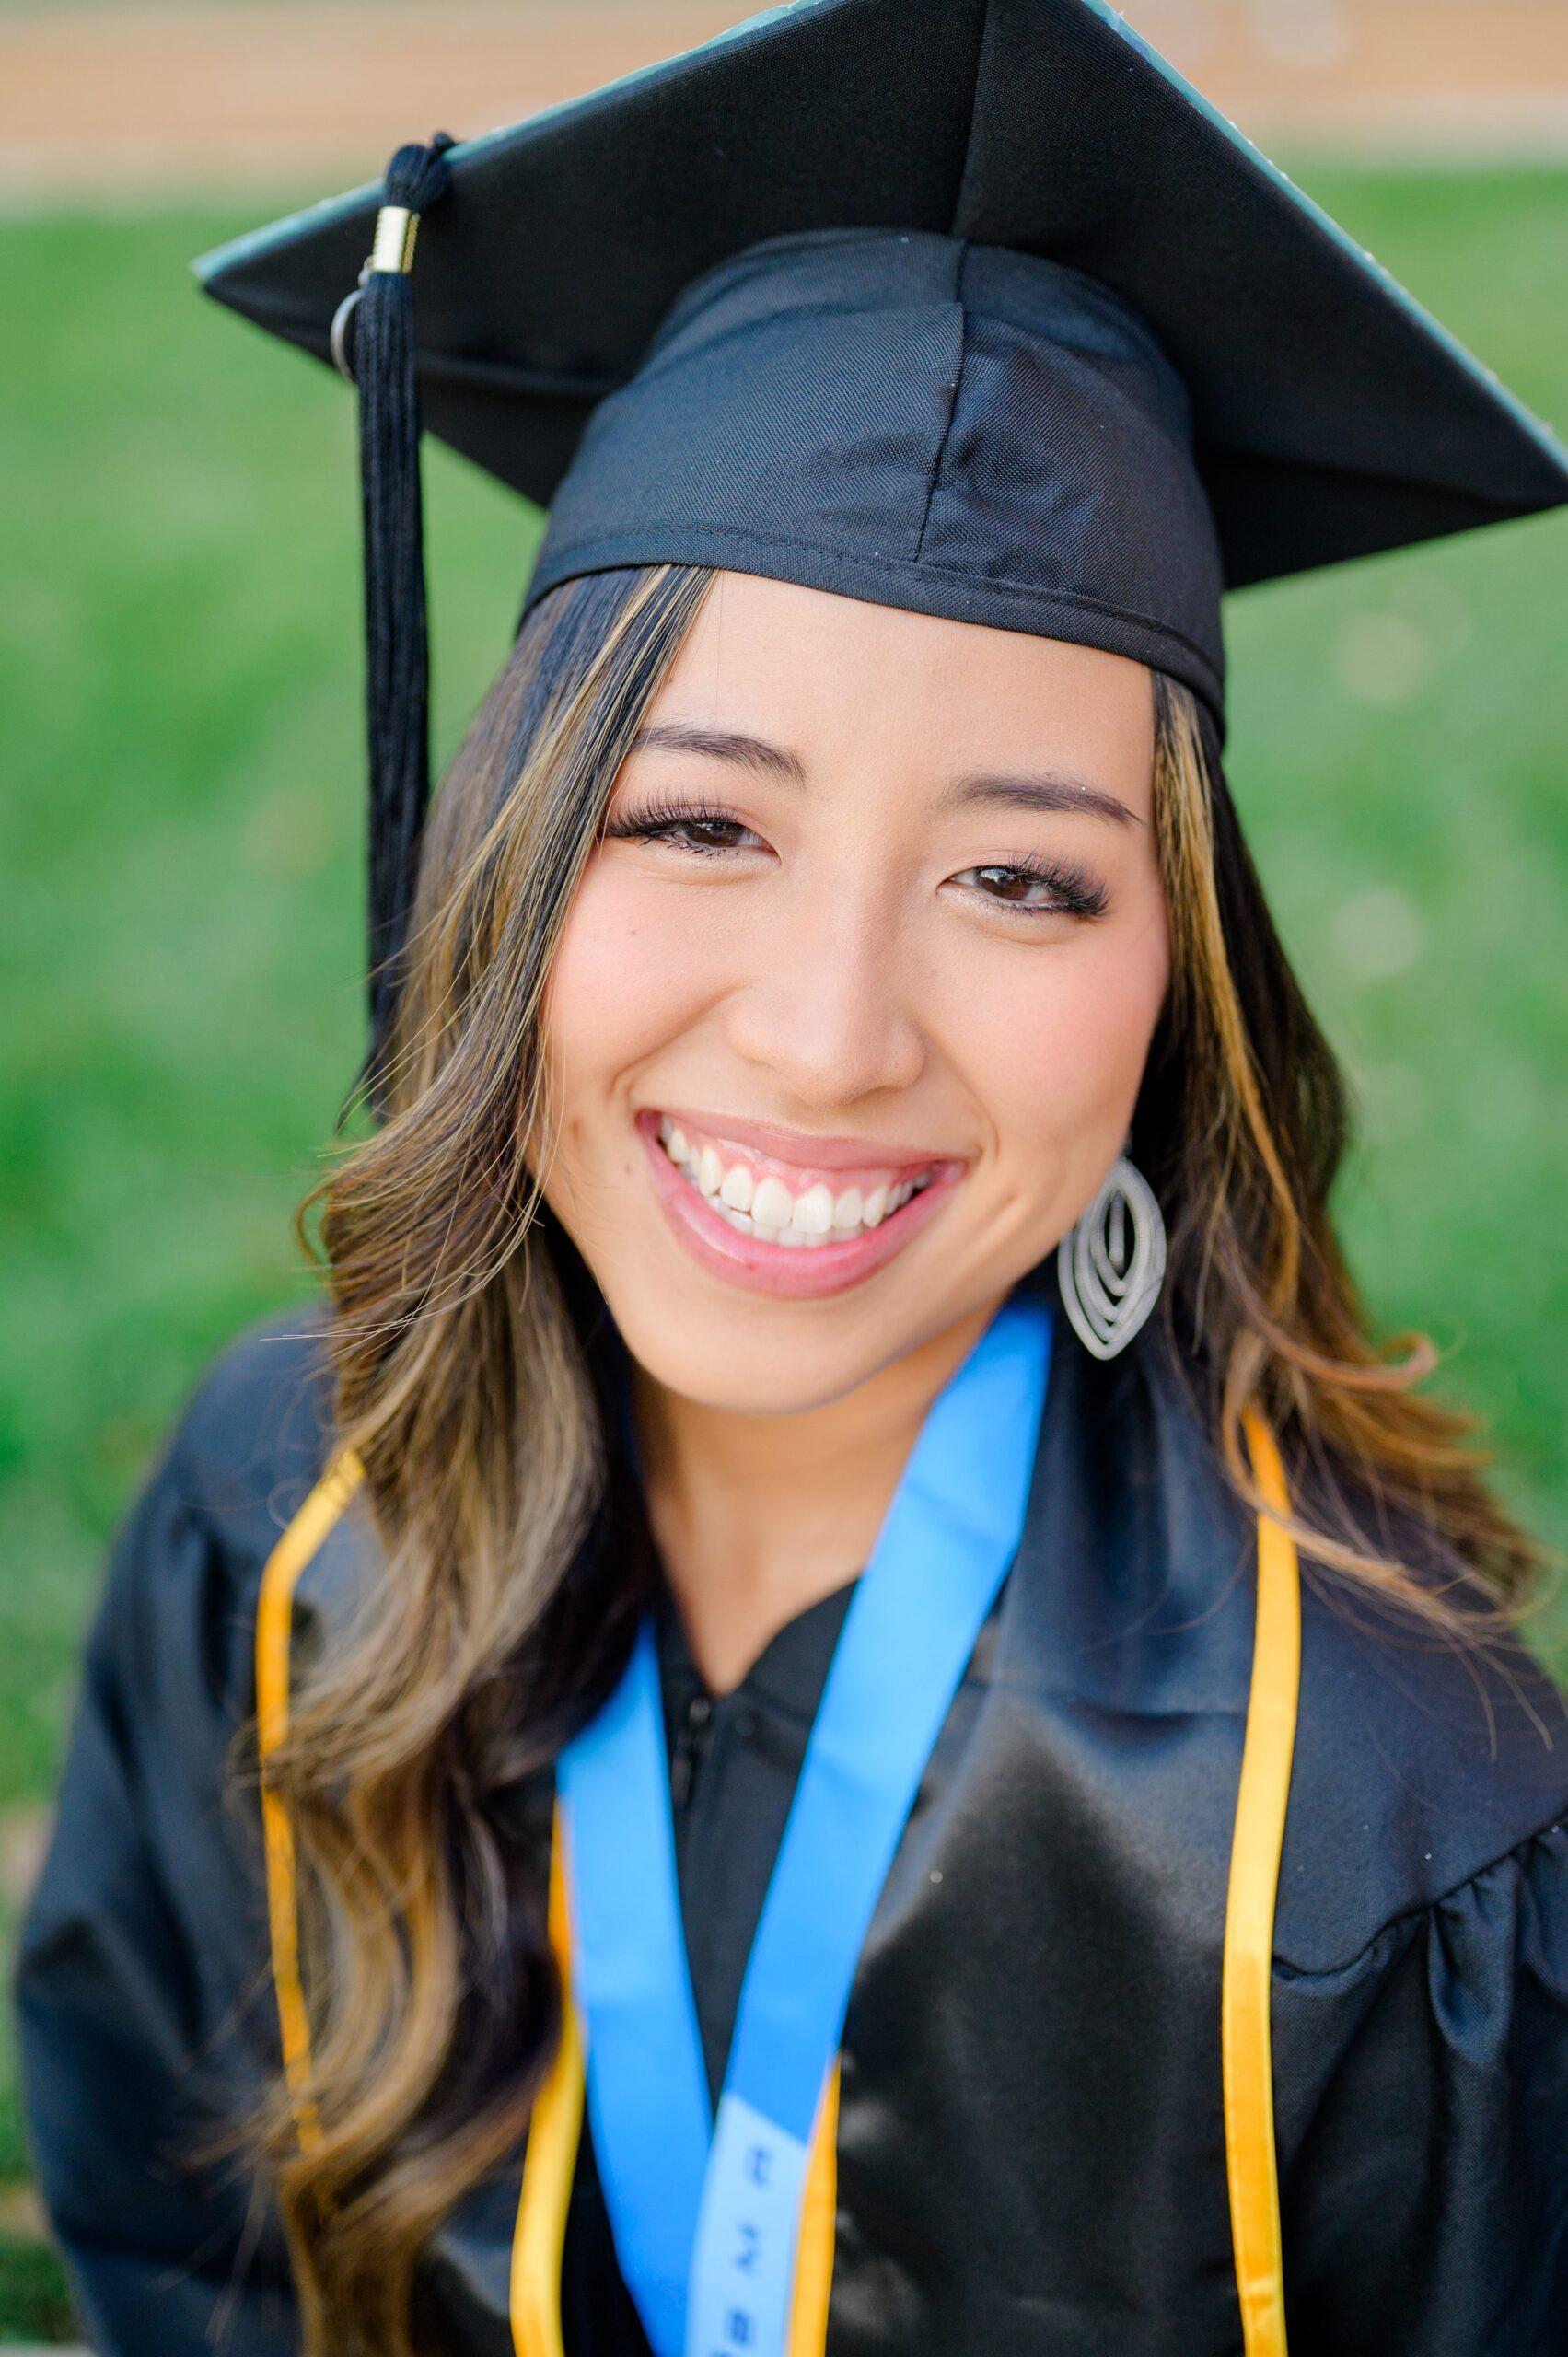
(1030, 2150)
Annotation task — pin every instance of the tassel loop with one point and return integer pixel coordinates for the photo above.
(381, 360)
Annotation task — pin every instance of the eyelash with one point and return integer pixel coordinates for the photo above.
(1077, 893)
(661, 819)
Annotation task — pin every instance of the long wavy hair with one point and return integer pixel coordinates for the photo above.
(471, 1356)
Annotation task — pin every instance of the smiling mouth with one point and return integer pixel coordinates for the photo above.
(752, 1193)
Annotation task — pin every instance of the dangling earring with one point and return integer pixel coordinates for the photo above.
(1112, 1265)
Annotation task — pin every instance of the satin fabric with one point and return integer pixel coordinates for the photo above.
(1031, 2139)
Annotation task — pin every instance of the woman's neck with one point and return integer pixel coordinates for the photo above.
(757, 1516)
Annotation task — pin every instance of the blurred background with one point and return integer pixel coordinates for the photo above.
(179, 826)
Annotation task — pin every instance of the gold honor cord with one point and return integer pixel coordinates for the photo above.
(298, 1545)
(552, 2156)
(1251, 2163)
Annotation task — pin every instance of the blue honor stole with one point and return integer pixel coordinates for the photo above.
(705, 2213)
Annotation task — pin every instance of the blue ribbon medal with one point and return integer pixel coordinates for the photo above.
(707, 2213)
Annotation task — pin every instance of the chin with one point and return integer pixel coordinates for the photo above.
(767, 1359)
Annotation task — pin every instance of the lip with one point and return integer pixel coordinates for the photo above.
(803, 1148)
(809, 1274)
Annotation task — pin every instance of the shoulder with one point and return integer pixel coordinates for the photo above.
(1419, 1986)
(1422, 1763)
(253, 1440)
(257, 1431)
(142, 1945)
(1427, 1770)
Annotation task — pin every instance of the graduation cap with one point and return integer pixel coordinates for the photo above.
(971, 306)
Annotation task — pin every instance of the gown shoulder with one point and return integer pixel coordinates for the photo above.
(144, 2008)
(256, 1433)
(1421, 1991)
(1424, 1760)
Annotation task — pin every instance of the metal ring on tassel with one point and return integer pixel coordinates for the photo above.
(1111, 1266)
(337, 341)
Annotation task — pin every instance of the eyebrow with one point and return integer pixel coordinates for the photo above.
(721, 745)
(1038, 793)
(1046, 792)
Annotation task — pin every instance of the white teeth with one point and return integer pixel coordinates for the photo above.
(737, 1191)
(813, 1213)
(766, 1209)
(772, 1205)
(846, 1211)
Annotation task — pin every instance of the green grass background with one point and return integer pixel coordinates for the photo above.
(180, 842)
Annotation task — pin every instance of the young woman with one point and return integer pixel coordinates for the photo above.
(803, 1803)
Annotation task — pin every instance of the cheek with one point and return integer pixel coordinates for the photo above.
(631, 974)
(1061, 1046)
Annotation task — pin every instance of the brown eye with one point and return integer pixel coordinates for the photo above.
(708, 834)
(684, 827)
(1012, 884)
(1015, 887)
(1037, 891)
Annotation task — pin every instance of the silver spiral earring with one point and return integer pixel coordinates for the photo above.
(1112, 1265)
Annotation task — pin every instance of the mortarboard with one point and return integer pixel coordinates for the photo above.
(973, 306)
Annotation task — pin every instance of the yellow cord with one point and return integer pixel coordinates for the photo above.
(274, 1631)
(1248, 1977)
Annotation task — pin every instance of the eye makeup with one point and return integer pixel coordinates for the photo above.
(699, 827)
(663, 822)
(1074, 891)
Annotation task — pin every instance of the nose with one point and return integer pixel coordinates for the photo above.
(828, 1010)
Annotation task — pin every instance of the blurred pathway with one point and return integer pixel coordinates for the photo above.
(273, 93)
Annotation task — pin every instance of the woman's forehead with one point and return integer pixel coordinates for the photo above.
(809, 679)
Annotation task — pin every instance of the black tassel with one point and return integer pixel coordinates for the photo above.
(397, 680)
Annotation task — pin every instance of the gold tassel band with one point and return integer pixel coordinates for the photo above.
(395, 229)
